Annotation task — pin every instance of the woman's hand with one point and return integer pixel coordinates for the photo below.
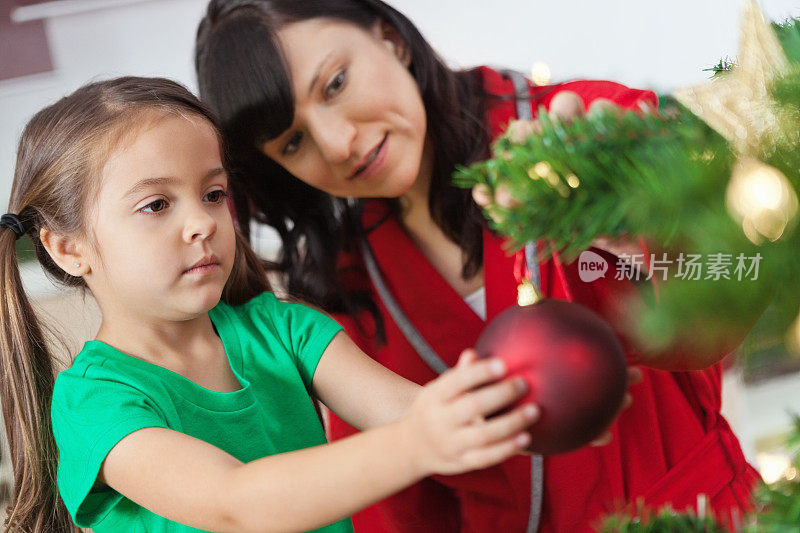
(446, 428)
(566, 106)
(634, 377)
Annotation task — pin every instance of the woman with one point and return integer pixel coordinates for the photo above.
(326, 104)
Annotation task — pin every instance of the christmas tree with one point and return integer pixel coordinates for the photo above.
(710, 182)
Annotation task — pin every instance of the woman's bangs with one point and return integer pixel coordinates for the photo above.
(246, 80)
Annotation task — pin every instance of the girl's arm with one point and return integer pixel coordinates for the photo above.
(358, 389)
(365, 394)
(192, 482)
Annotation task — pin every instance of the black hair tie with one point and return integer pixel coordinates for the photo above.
(13, 223)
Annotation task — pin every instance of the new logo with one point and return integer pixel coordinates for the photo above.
(591, 266)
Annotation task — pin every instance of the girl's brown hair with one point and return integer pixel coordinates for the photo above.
(60, 156)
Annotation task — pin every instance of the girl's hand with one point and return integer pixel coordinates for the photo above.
(446, 428)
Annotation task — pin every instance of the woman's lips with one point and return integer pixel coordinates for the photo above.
(373, 161)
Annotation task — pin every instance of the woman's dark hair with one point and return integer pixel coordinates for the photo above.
(60, 158)
(243, 76)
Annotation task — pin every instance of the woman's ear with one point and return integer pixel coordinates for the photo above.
(67, 252)
(392, 39)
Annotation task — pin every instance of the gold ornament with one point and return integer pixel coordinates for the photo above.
(761, 199)
(793, 337)
(738, 104)
(527, 293)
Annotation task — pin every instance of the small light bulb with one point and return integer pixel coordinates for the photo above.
(540, 73)
(772, 466)
(573, 181)
(542, 169)
(761, 199)
(793, 337)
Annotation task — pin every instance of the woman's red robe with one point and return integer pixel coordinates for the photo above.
(669, 446)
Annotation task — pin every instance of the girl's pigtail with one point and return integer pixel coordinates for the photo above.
(26, 388)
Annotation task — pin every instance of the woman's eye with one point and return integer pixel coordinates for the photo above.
(216, 196)
(155, 206)
(336, 83)
(293, 144)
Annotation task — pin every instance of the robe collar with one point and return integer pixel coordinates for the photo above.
(435, 309)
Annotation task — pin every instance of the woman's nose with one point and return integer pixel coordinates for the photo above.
(334, 135)
(199, 225)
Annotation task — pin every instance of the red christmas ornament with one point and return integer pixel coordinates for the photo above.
(574, 366)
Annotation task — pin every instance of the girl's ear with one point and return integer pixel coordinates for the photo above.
(67, 252)
(388, 34)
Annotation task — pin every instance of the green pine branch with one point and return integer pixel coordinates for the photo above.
(723, 66)
(638, 174)
(659, 177)
(666, 521)
(664, 178)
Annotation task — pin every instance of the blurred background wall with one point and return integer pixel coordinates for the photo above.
(643, 43)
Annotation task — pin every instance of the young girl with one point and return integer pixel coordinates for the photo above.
(345, 128)
(191, 409)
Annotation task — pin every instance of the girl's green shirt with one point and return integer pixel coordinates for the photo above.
(273, 349)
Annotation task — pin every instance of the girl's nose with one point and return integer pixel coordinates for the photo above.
(200, 225)
(334, 135)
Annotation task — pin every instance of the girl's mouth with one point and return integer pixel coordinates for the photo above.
(204, 266)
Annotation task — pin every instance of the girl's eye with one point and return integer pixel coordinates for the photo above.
(336, 83)
(293, 144)
(155, 206)
(216, 196)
